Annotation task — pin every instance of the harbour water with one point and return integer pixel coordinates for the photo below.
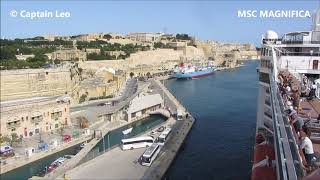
(220, 145)
(115, 136)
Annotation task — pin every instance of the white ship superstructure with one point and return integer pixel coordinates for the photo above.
(295, 56)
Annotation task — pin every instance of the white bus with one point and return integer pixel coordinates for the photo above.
(150, 154)
(138, 142)
(164, 136)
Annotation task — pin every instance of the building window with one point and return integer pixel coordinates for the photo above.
(65, 109)
(22, 119)
(37, 131)
(66, 121)
(27, 118)
(56, 126)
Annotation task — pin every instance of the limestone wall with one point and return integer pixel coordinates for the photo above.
(25, 83)
(152, 57)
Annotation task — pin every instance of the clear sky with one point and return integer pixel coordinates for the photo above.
(207, 20)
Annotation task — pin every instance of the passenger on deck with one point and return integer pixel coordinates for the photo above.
(298, 123)
(292, 113)
(312, 93)
(288, 89)
(306, 148)
(296, 100)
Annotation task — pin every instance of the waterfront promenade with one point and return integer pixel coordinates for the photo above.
(118, 164)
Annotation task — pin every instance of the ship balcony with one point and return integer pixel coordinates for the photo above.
(268, 115)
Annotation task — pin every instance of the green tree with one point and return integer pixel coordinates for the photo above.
(13, 139)
(57, 61)
(82, 98)
(107, 36)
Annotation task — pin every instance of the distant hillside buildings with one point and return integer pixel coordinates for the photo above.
(69, 54)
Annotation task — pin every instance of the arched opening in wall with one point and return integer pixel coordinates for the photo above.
(148, 74)
(131, 74)
(315, 64)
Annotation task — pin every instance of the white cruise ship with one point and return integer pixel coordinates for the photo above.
(288, 106)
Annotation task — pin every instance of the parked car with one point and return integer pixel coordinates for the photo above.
(66, 138)
(108, 103)
(6, 151)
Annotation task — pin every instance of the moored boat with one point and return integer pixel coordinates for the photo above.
(189, 71)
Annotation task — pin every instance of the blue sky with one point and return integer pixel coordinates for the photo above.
(207, 20)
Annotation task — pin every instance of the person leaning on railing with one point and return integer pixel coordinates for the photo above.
(306, 150)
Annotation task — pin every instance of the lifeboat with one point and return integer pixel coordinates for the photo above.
(264, 155)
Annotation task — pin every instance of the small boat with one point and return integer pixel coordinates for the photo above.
(56, 164)
(127, 131)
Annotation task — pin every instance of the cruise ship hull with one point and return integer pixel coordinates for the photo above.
(196, 74)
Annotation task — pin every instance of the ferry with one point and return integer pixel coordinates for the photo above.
(190, 71)
(287, 143)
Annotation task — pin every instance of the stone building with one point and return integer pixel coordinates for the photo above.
(27, 83)
(92, 50)
(143, 105)
(104, 83)
(24, 56)
(27, 117)
(145, 37)
(115, 53)
(69, 55)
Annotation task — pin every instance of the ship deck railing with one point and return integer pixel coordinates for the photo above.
(289, 165)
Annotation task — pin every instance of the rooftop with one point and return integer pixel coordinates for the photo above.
(144, 102)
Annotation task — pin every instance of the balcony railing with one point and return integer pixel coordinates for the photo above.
(299, 42)
(13, 125)
(36, 119)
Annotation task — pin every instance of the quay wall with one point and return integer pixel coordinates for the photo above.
(171, 148)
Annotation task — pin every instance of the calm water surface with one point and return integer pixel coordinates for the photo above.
(220, 145)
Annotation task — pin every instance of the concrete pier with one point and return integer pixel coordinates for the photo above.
(172, 146)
